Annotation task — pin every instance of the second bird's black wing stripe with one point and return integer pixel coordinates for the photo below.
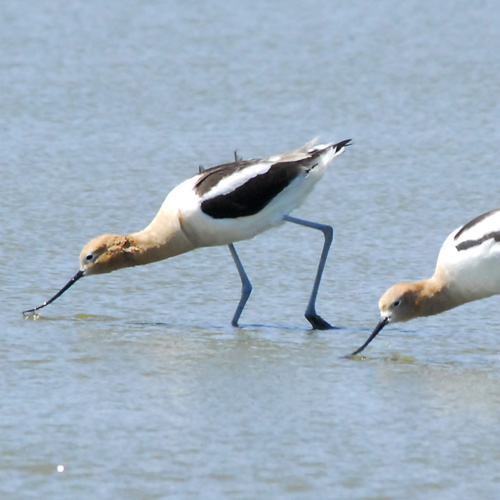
(466, 244)
(474, 222)
(472, 243)
(254, 194)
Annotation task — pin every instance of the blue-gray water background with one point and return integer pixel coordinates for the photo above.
(135, 382)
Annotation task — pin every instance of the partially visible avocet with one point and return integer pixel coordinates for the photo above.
(467, 269)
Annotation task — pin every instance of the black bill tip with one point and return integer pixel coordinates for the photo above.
(70, 283)
(375, 332)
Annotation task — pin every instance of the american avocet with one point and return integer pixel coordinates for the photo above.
(467, 269)
(219, 206)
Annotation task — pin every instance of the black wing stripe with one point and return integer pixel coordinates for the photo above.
(472, 243)
(473, 222)
(252, 196)
(212, 176)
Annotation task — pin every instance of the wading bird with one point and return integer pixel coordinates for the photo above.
(219, 206)
(467, 269)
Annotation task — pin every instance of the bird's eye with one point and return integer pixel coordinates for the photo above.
(89, 257)
(396, 303)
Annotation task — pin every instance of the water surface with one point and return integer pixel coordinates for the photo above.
(135, 382)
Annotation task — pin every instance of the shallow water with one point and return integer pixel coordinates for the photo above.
(135, 382)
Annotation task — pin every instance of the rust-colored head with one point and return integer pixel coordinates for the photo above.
(107, 253)
(400, 302)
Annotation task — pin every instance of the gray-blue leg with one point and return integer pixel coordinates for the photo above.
(312, 316)
(246, 286)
